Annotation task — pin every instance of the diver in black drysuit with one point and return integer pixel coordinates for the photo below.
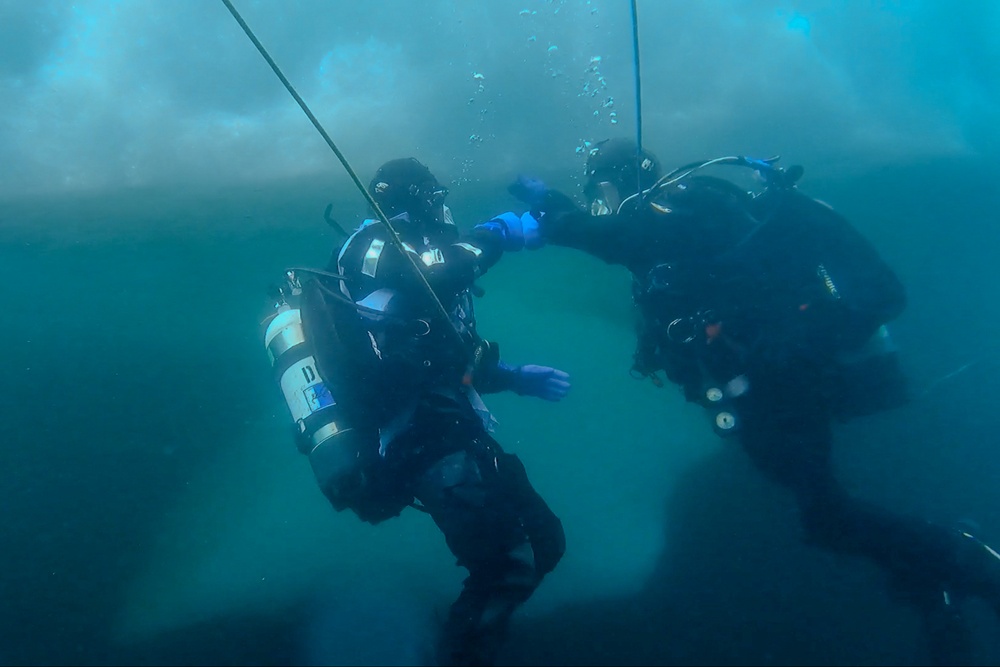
(411, 384)
(770, 312)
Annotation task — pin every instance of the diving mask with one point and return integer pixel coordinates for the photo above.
(604, 199)
(430, 198)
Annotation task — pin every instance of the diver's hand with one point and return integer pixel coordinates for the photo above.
(518, 231)
(529, 190)
(557, 215)
(544, 382)
(531, 230)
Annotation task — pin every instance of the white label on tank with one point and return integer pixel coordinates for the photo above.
(304, 391)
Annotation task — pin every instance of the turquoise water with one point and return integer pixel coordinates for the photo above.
(155, 510)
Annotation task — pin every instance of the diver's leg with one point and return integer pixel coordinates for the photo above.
(502, 532)
(931, 565)
(913, 550)
(949, 640)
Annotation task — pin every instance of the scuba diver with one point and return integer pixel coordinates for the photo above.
(393, 368)
(769, 310)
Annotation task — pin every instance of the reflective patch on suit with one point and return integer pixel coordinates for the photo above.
(376, 301)
(463, 315)
(476, 401)
(378, 352)
(370, 262)
(471, 248)
(432, 257)
(343, 249)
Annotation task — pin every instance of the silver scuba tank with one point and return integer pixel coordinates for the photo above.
(305, 393)
(321, 427)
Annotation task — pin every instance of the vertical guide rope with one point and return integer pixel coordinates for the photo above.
(398, 242)
(638, 98)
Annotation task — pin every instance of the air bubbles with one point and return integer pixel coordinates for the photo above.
(594, 82)
(481, 78)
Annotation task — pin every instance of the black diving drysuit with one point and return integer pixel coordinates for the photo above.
(770, 312)
(410, 387)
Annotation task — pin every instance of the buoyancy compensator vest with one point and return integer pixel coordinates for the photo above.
(865, 379)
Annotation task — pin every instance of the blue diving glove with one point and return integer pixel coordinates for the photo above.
(518, 231)
(545, 382)
(529, 190)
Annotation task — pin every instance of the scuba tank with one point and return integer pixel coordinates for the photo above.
(306, 395)
(338, 449)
